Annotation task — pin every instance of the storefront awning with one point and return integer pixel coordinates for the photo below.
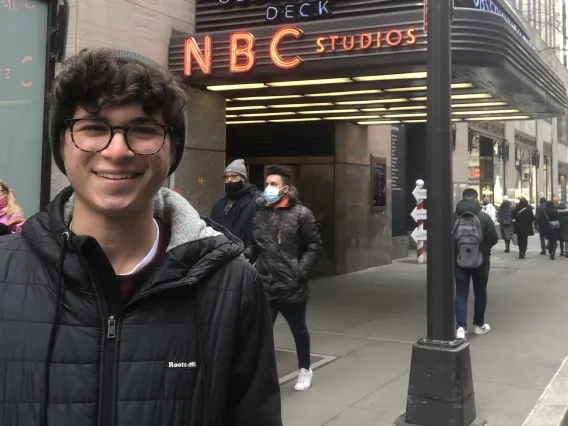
(370, 70)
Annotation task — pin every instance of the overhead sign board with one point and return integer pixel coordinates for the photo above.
(242, 47)
(290, 11)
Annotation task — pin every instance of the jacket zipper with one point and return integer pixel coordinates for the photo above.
(108, 385)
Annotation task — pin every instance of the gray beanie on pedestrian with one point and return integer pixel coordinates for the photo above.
(237, 166)
(94, 72)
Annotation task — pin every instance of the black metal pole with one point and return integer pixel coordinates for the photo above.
(439, 180)
(440, 389)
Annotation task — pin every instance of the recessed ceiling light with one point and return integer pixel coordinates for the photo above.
(396, 108)
(232, 116)
(503, 118)
(378, 122)
(422, 88)
(264, 98)
(329, 111)
(309, 82)
(347, 93)
(246, 122)
(419, 114)
(479, 104)
(290, 120)
(464, 96)
(414, 121)
(354, 117)
(306, 105)
(481, 112)
(236, 87)
(268, 114)
(244, 108)
(403, 76)
(372, 101)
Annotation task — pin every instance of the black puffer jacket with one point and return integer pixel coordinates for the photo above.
(194, 346)
(286, 245)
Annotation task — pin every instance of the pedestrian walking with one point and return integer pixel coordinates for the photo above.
(541, 219)
(523, 218)
(236, 210)
(474, 236)
(505, 217)
(11, 215)
(286, 245)
(489, 209)
(563, 212)
(120, 305)
(553, 228)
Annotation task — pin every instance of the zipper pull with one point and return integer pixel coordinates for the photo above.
(111, 330)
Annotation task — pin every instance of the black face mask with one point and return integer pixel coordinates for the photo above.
(232, 187)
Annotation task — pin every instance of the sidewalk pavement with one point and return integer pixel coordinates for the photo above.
(364, 324)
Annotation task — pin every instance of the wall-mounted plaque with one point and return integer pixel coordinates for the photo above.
(378, 182)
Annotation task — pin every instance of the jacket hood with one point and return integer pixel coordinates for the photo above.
(196, 246)
(293, 197)
(468, 206)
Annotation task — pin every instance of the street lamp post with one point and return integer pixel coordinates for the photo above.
(440, 391)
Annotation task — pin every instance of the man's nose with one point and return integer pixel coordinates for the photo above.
(118, 147)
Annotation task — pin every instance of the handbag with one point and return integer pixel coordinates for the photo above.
(515, 240)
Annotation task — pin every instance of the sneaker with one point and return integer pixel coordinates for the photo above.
(460, 333)
(304, 380)
(484, 329)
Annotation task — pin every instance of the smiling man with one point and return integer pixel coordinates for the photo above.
(119, 304)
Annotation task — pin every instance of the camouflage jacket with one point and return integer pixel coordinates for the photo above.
(286, 245)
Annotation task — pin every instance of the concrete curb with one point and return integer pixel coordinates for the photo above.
(551, 408)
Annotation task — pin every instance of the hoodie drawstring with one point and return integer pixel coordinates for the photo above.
(53, 331)
(202, 364)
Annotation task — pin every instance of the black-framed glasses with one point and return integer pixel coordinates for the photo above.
(95, 135)
(233, 177)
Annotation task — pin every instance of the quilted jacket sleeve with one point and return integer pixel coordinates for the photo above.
(254, 391)
(311, 241)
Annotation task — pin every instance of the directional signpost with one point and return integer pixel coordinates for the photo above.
(419, 214)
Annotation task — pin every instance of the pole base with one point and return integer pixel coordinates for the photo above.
(440, 389)
(402, 422)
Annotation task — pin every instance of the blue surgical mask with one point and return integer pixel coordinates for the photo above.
(271, 194)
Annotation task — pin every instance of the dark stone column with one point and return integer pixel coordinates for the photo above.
(199, 175)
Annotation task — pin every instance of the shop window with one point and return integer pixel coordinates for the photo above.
(23, 31)
(547, 180)
(526, 174)
(498, 173)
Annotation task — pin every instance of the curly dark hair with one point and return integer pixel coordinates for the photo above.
(280, 171)
(95, 79)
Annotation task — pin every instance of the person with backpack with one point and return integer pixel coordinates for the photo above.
(553, 228)
(474, 236)
(523, 218)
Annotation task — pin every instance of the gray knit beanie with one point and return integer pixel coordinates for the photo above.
(73, 84)
(237, 166)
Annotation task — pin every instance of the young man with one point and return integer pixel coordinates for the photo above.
(236, 210)
(120, 305)
(286, 245)
(474, 235)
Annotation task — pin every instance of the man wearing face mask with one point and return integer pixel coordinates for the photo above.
(286, 244)
(236, 210)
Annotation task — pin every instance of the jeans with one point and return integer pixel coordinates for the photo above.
(295, 316)
(479, 276)
(523, 244)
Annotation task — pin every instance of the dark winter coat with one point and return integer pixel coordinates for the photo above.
(564, 223)
(505, 218)
(540, 218)
(286, 245)
(241, 215)
(524, 220)
(551, 234)
(193, 347)
(489, 233)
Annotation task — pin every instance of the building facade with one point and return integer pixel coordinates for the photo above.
(333, 90)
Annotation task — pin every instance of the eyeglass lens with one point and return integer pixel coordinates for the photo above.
(95, 135)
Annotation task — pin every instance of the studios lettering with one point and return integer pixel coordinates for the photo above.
(288, 12)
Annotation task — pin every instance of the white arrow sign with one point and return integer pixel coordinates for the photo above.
(418, 214)
(420, 194)
(419, 235)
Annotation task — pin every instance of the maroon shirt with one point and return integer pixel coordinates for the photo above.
(129, 284)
